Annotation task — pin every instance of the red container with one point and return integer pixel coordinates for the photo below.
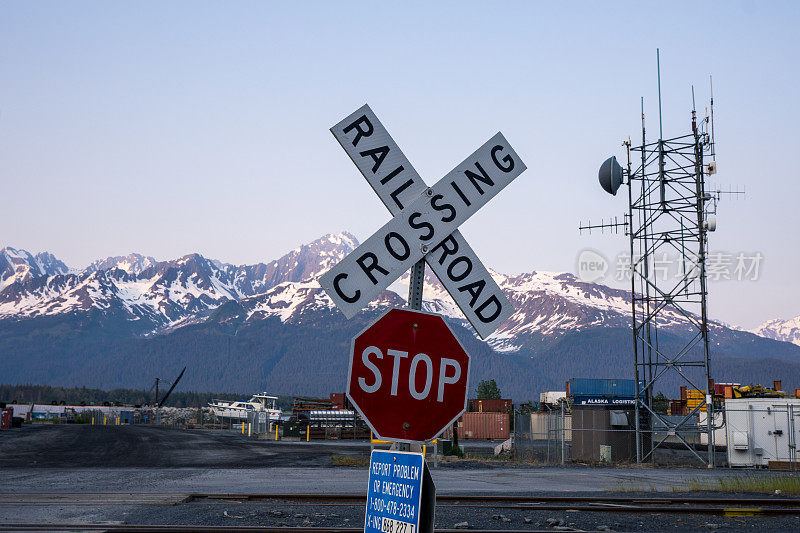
(677, 407)
(5, 418)
(481, 426)
(337, 400)
(719, 388)
(490, 406)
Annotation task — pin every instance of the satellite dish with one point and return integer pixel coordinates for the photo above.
(610, 175)
(710, 223)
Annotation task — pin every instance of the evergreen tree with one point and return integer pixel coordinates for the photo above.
(488, 390)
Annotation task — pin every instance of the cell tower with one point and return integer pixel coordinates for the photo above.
(669, 211)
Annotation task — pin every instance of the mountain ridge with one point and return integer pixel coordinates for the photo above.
(780, 330)
(198, 308)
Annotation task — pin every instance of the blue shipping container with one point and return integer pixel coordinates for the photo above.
(603, 388)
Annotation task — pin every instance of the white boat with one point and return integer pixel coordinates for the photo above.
(237, 411)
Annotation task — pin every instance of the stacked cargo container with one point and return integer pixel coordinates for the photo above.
(489, 405)
(481, 426)
(610, 392)
(486, 419)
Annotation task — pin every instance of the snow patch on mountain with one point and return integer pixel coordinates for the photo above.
(20, 265)
(780, 330)
(132, 263)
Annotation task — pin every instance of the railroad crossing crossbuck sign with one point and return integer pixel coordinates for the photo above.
(424, 225)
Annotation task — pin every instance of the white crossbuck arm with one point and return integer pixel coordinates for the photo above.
(424, 223)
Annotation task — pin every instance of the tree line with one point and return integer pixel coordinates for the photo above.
(45, 394)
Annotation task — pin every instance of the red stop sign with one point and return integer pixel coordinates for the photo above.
(408, 376)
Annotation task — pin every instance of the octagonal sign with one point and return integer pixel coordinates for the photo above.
(408, 376)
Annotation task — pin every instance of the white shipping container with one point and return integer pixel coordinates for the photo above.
(552, 397)
(760, 430)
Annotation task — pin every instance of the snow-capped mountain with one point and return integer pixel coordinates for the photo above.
(19, 265)
(166, 293)
(242, 326)
(163, 295)
(131, 263)
(780, 330)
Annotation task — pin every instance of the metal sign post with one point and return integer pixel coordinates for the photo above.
(415, 287)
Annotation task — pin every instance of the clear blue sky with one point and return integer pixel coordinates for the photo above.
(171, 127)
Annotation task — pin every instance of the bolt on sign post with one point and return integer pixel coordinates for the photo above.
(408, 374)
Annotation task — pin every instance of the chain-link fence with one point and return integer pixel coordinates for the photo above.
(747, 432)
(544, 437)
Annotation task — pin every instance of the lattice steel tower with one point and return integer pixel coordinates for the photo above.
(669, 211)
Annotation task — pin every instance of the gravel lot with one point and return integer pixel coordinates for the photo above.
(156, 468)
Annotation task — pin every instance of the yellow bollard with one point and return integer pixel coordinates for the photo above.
(242, 428)
(249, 429)
(276, 431)
(92, 420)
(105, 419)
(308, 433)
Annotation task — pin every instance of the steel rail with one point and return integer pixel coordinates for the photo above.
(169, 528)
(62, 498)
(450, 498)
(117, 528)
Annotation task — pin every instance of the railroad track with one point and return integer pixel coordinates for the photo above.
(672, 504)
(678, 504)
(121, 528)
(117, 498)
(662, 504)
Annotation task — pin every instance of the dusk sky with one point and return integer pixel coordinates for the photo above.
(166, 128)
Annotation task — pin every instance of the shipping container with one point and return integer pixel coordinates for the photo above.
(5, 418)
(490, 406)
(618, 388)
(694, 398)
(337, 400)
(481, 426)
(719, 388)
(551, 397)
(677, 407)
